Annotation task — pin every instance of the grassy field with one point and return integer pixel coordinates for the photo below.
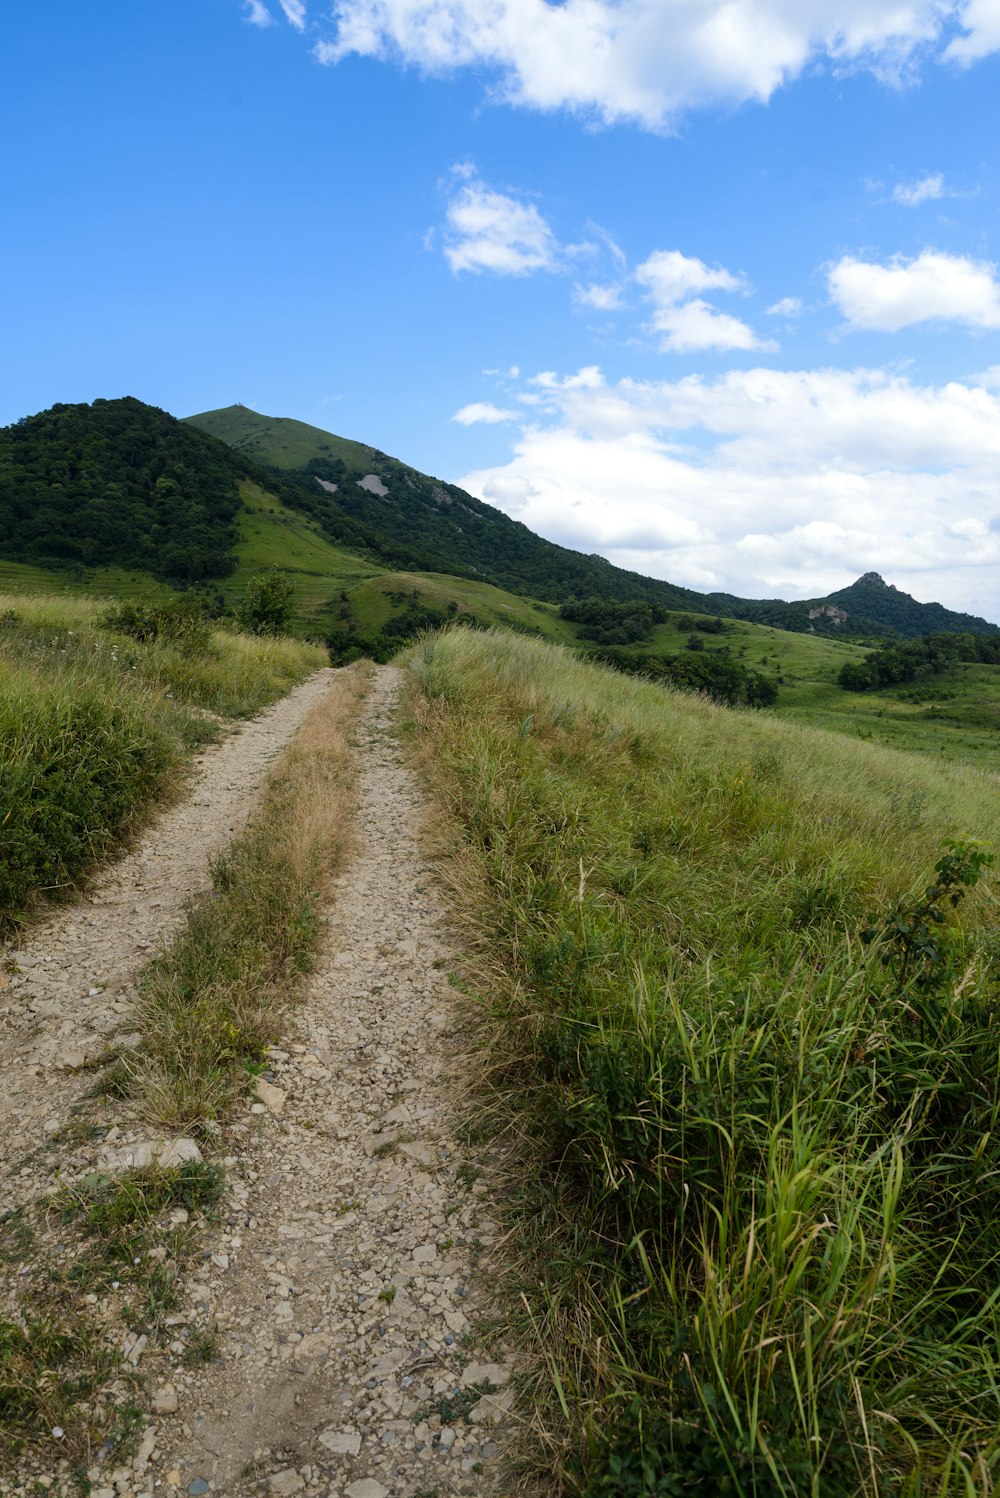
(761, 1188)
(94, 726)
(371, 605)
(954, 718)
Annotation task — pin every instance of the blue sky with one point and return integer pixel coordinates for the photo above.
(707, 286)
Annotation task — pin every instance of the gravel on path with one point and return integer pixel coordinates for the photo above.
(344, 1284)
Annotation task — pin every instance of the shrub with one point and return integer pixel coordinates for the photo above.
(267, 606)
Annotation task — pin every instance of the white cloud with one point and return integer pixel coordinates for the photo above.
(923, 190)
(766, 482)
(601, 298)
(295, 13)
(483, 411)
(981, 24)
(788, 306)
(649, 60)
(932, 287)
(689, 326)
(697, 326)
(670, 276)
(491, 231)
(257, 13)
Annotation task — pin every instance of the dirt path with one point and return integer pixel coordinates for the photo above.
(78, 966)
(344, 1287)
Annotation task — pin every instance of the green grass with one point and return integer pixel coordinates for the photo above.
(761, 1195)
(272, 535)
(954, 717)
(94, 728)
(371, 605)
(278, 441)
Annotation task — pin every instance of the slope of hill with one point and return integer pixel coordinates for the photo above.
(869, 608)
(457, 533)
(449, 529)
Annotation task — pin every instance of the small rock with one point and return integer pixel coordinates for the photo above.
(346, 1442)
(197, 1487)
(178, 1152)
(272, 1097)
(367, 1487)
(284, 1483)
(165, 1400)
(422, 1154)
(426, 1253)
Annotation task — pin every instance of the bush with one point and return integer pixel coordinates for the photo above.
(267, 606)
(80, 763)
(182, 622)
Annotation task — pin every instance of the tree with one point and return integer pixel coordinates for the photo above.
(267, 605)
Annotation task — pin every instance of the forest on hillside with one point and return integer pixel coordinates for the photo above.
(120, 483)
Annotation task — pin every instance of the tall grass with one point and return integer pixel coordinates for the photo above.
(770, 1241)
(93, 726)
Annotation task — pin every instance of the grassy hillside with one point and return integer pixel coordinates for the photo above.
(457, 533)
(274, 535)
(760, 1219)
(278, 441)
(94, 726)
(374, 602)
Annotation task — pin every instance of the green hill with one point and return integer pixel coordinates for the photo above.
(448, 530)
(444, 528)
(118, 483)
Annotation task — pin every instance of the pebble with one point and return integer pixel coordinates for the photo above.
(165, 1401)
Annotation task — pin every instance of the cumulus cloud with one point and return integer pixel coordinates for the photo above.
(932, 287)
(483, 411)
(670, 276)
(257, 13)
(766, 482)
(981, 24)
(295, 13)
(923, 190)
(492, 231)
(650, 60)
(788, 306)
(696, 326)
(691, 326)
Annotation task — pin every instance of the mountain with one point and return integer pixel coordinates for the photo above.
(454, 532)
(450, 530)
(117, 482)
(120, 483)
(869, 608)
